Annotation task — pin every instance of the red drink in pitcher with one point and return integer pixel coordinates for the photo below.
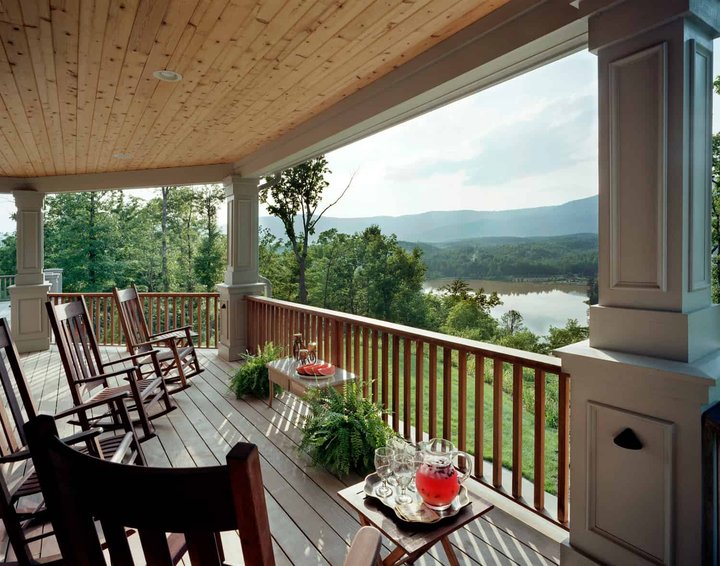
(438, 486)
(437, 479)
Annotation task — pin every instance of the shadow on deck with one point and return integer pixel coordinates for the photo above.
(310, 524)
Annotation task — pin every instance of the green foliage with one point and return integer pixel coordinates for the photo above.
(8, 254)
(295, 194)
(558, 337)
(252, 377)
(556, 257)
(108, 238)
(343, 430)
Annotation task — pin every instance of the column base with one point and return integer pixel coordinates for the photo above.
(28, 320)
(571, 556)
(636, 502)
(233, 318)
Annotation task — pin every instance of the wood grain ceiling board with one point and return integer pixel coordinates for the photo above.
(77, 94)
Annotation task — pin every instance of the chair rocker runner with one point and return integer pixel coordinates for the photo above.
(199, 502)
(24, 525)
(88, 375)
(176, 352)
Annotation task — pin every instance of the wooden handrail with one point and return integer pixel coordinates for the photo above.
(445, 394)
(162, 311)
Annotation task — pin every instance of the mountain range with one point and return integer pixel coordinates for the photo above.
(446, 226)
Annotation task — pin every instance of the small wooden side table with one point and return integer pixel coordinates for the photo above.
(283, 373)
(412, 540)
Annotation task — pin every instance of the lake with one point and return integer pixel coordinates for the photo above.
(542, 305)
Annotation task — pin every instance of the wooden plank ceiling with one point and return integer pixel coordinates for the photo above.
(77, 92)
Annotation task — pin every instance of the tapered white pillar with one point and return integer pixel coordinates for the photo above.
(28, 320)
(639, 386)
(241, 276)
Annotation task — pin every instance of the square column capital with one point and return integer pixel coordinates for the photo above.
(28, 199)
(633, 17)
(236, 185)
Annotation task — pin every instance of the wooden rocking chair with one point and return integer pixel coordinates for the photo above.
(88, 375)
(177, 356)
(24, 524)
(199, 502)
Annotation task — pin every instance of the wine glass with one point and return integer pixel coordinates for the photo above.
(418, 459)
(403, 468)
(383, 467)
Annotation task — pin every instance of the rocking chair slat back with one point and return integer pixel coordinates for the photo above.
(17, 396)
(78, 347)
(214, 499)
(132, 317)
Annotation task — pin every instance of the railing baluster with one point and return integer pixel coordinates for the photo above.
(563, 447)
(407, 387)
(327, 344)
(385, 374)
(419, 391)
(517, 404)
(432, 421)
(337, 342)
(539, 468)
(462, 399)
(375, 363)
(365, 360)
(348, 346)
(396, 383)
(447, 393)
(497, 421)
(479, 415)
(356, 353)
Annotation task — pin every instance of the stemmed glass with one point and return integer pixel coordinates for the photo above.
(383, 467)
(418, 459)
(403, 468)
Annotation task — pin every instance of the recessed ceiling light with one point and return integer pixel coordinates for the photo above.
(167, 76)
(122, 156)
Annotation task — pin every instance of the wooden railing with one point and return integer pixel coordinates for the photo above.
(5, 282)
(162, 311)
(494, 402)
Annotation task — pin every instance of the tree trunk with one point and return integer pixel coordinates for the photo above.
(164, 269)
(301, 278)
(92, 246)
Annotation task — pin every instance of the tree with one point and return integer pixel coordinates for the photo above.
(210, 260)
(715, 208)
(295, 194)
(558, 337)
(512, 322)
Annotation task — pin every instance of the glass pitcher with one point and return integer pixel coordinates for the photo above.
(438, 480)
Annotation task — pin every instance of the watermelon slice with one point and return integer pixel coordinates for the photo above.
(316, 370)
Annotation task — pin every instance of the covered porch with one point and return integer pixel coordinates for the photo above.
(268, 85)
(309, 523)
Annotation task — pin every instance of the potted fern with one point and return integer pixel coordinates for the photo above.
(252, 376)
(343, 430)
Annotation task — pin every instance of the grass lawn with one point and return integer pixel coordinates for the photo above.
(528, 419)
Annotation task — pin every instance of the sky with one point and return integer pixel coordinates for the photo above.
(531, 141)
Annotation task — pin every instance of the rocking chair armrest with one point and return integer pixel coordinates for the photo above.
(154, 342)
(92, 404)
(131, 358)
(18, 456)
(186, 329)
(109, 374)
(82, 436)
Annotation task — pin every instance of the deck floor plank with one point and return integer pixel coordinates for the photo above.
(309, 523)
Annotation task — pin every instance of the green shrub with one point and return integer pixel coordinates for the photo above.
(252, 377)
(343, 430)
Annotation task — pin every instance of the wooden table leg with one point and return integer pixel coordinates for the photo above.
(449, 551)
(271, 393)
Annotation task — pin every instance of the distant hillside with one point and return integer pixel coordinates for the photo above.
(567, 257)
(435, 227)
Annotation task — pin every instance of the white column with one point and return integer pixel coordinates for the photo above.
(27, 297)
(653, 356)
(241, 276)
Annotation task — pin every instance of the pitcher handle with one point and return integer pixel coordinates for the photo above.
(468, 468)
